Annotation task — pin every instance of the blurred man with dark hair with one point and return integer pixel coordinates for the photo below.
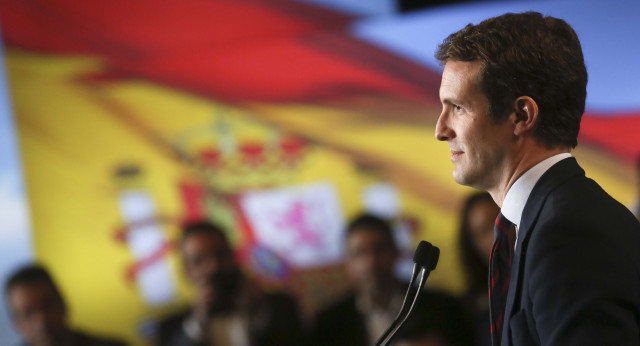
(360, 317)
(39, 312)
(229, 309)
(565, 261)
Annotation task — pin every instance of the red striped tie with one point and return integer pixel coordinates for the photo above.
(500, 273)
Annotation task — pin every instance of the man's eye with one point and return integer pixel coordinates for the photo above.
(458, 108)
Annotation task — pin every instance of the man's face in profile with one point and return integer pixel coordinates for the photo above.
(479, 147)
(38, 313)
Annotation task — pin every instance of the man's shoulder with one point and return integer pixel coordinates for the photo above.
(585, 199)
(340, 319)
(566, 193)
(579, 217)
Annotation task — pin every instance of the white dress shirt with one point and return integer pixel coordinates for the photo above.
(377, 318)
(518, 194)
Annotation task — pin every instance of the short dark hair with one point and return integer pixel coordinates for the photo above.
(203, 227)
(371, 222)
(30, 275)
(527, 54)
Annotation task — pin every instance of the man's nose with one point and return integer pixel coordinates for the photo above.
(214, 266)
(443, 130)
(211, 265)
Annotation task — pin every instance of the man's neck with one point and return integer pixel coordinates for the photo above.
(519, 166)
(379, 296)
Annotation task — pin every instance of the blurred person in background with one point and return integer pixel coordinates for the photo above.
(229, 309)
(361, 316)
(39, 312)
(476, 239)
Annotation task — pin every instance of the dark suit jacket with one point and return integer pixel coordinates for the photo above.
(575, 276)
(342, 324)
(273, 321)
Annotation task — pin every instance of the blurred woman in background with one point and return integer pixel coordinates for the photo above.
(476, 239)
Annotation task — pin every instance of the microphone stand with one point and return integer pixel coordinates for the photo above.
(427, 256)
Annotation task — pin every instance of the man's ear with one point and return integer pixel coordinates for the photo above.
(525, 115)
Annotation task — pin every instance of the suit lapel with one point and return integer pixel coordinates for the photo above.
(551, 179)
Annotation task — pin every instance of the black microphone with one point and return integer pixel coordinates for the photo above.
(425, 260)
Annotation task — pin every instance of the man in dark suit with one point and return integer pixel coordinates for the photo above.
(229, 309)
(361, 316)
(39, 312)
(513, 92)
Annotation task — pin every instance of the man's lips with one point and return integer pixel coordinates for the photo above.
(455, 154)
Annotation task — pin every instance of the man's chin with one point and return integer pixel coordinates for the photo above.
(460, 178)
(463, 175)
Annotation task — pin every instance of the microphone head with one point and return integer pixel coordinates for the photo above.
(426, 255)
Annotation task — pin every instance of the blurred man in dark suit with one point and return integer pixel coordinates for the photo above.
(360, 317)
(39, 312)
(565, 262)
(229, 309)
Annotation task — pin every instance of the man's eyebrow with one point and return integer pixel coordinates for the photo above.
(450, 101)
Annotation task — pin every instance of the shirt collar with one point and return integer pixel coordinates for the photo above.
(519, 192)
(366, 307)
